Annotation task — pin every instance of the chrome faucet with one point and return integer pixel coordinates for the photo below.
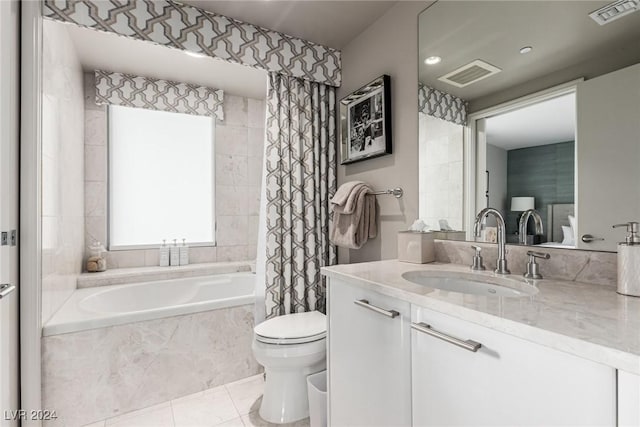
(524, 222)
(501, 267)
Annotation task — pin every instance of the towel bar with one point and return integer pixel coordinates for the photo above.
(397, 192)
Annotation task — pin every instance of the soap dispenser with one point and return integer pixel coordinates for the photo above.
(174, 254)
(629, 261)
(184, 253)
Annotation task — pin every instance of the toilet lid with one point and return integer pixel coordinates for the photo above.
(293, 328)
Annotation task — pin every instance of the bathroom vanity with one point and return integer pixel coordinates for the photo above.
(402, 353)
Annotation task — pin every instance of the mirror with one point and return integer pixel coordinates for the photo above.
(530, 105)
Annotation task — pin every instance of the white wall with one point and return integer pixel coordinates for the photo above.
(62, 168)
(388, 46)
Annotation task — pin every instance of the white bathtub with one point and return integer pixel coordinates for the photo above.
(99, 307)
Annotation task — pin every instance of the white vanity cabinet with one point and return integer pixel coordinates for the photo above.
(628, 399)
(369, 358)
(508, 381)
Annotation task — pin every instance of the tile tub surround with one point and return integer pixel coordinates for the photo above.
(62, 168)
(239, 146)
(120, 276)
(598, 268)
(235, 404)
(586, 320)
(98, 374)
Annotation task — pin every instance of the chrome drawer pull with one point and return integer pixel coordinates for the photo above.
(365, 303)
(427, 329)
(6, 289)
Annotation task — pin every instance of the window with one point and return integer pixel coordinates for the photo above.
(161, 169)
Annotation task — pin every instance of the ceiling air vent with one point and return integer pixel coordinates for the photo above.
(470, 73)
(615, 10)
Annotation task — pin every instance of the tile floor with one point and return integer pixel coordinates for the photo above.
(231, 405)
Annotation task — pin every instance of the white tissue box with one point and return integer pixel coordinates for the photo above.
(416, 247)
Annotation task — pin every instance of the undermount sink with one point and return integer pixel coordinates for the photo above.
(470, 283)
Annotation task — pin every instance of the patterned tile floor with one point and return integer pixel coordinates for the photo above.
(231, 405)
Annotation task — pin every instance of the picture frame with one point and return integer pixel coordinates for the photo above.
(365, 122)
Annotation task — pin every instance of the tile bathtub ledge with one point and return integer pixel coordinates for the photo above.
(586, 320)
(119, 276)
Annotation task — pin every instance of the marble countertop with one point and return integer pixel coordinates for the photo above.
(586, 320)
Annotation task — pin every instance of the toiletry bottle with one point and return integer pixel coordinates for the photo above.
(174, 254)
(164, 254)
(629, 261)
(184, 253)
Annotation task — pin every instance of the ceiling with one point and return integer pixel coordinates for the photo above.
(563, 37)
(332, 23)
(125, 55)
(547, 122)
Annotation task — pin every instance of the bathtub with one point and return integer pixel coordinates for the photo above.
(114, 349)
(103, 306)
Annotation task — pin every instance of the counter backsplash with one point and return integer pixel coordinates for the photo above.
(599, 268)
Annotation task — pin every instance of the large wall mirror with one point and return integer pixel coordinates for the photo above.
(532, 108)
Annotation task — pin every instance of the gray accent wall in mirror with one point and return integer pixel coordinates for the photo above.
(530, 105)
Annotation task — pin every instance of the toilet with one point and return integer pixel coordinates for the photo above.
(290, 347)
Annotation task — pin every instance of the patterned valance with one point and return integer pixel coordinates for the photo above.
(176, 25)
(156, 94)
(442, 105)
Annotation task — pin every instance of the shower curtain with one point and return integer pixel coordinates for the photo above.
(298, 178)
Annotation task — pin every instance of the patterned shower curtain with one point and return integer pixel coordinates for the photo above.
(300, 162)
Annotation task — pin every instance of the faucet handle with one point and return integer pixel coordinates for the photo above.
(477, 264)
(533, 255)
(533, 271)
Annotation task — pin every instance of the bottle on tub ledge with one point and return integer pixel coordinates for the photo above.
(184, 253)
(164, 254)
(174, 254)
(97, 260)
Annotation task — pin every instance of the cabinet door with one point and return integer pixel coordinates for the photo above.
(506, 382)
(369, 359)
(628, 399)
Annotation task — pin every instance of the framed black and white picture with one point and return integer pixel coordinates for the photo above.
(365, 122)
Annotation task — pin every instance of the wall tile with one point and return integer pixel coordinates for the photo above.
(253, 197)
(95, 198)
(235, 111)
(126, 259)
(252, 230)
(256, 113)
(95, 228)
(232, 140)
(151, 257)
(233, 253)
(255, 171)
(199, 255)
(232, 230)
(256, 142)
(95, 127)
(232, 170)
(231, 200)
(95, 159)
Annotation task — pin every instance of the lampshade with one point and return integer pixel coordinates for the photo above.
(521, 204)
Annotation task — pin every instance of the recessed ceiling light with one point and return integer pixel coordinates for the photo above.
(526, 49)
(432, 60)
(195, 54)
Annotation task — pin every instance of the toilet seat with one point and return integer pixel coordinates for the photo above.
(295, 328)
